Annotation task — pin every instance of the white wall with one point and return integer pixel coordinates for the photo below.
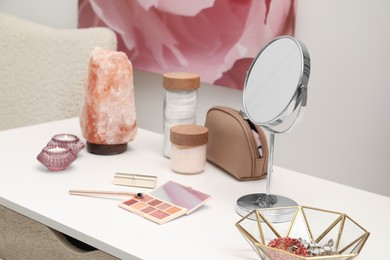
(345, 134)
(54, 13)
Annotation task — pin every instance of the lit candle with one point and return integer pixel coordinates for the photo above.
(56, 157)
(56, 149)
(65, 138)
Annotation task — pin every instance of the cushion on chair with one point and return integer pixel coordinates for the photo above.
(43, 70)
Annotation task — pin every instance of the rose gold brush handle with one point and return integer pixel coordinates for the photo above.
(103, 193)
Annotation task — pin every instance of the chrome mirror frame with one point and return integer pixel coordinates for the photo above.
(287, 115)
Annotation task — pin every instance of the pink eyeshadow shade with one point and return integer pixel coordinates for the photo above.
(159, 214)
(130, 202)
(154, 202)
(148, 209)
(163, 206)
(145, 198)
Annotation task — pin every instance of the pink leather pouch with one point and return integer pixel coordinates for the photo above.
(235, 145)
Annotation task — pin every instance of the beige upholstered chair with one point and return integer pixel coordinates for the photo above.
(43, 70)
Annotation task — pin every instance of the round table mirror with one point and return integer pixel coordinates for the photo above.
(275, 95)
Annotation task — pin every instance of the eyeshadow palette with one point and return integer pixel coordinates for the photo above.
(152, 208)
(181, 195)
(167, 202)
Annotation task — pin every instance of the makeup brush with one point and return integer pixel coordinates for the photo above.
(104, 193)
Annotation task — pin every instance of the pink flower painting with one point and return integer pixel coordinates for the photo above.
(217, 39)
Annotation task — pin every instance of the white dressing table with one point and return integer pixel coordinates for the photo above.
(28, 189)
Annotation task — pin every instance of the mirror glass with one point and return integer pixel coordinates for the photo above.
(276, 84)
(275, 94)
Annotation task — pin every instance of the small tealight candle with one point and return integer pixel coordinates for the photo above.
(67, 140)
(56, 158)
(56, 149)
(64, 137)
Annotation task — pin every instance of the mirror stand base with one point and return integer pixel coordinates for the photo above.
(247, 203)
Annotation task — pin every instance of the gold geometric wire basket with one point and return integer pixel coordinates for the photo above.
(313, 225)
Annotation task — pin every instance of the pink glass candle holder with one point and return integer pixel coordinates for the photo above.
(56, 158)
(67, 140)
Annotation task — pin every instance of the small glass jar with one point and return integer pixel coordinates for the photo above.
(180, 101)
(188, 149)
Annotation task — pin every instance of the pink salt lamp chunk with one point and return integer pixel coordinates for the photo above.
(108, 118)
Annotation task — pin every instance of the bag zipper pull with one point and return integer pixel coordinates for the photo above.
(244, 115)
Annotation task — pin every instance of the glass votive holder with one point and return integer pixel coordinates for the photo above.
(56, 158)
(67, 140)
(188, 149)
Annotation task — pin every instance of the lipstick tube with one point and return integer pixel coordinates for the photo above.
(135, 180)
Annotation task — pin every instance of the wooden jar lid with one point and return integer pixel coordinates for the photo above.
(181, 81)
(189, 135)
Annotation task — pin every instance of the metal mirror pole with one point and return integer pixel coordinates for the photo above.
(270, 167)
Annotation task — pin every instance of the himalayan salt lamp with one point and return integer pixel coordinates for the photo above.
(108, 118)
